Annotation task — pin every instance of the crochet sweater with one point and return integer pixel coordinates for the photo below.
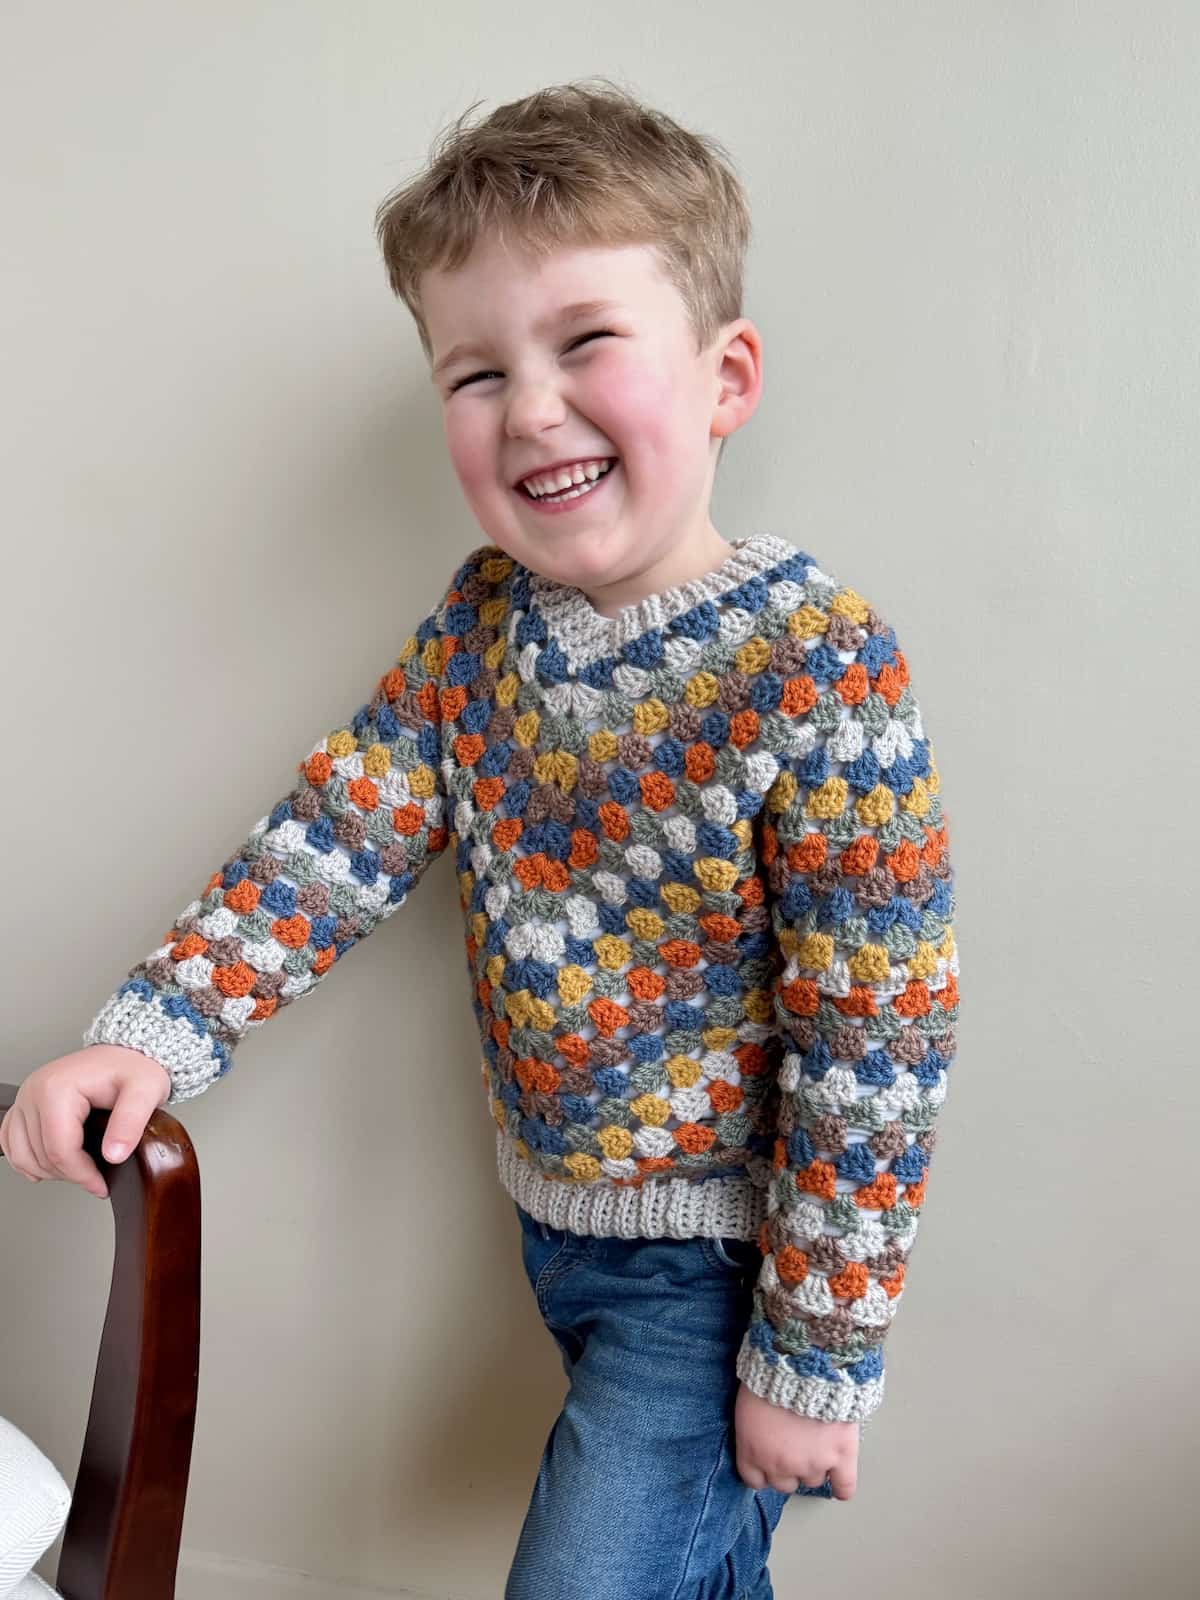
(704, 872)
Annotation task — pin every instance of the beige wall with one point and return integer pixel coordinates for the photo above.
(977, 274)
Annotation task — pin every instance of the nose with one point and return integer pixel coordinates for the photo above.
(532, 407)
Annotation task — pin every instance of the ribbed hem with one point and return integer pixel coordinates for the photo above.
(667, 1208)
(585, 636)
(139, 1024)
(808, 1397)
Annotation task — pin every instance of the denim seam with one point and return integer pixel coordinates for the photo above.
(699, 1523)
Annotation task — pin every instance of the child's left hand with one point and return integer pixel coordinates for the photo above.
(778, 1449)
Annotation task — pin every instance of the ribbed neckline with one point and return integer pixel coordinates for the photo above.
(584, 635)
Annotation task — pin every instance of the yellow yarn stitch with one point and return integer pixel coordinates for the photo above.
(815, 950)
(917, 799)
(525, 729)
(611, 953)
(807, 622)
(582, 1168)
(753, 657)
(849, 603)
(682, 1071)
(650, 716)
(828, 800)
(679, 897)
(557, 766)
(715, 874)
(615, 1141)
(573, 984)
(651, 1109)
(701, 690)
(876, 808)
(869, 964)
(602, 745)
(644, 923)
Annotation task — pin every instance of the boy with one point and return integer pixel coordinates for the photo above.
(700, 853)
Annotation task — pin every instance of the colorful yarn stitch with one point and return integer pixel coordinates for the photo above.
(704, 872)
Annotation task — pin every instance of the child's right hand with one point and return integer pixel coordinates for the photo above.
(41, 1135)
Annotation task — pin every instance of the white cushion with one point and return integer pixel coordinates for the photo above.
(34, 1502)
(32, 1588)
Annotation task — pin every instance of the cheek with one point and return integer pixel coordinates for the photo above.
(468, 450)
(644, 407)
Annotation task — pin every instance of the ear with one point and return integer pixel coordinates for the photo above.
(738, 378)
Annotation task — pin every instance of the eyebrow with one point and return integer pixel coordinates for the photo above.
(578, 308)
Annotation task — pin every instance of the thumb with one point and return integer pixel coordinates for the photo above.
(131, 1112)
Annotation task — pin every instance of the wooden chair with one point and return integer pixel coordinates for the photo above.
(121, 1540)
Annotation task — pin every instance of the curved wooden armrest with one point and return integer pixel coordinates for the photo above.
(121, 1540)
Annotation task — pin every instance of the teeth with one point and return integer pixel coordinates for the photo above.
(565, 477)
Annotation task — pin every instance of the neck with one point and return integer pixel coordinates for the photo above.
(682, 564)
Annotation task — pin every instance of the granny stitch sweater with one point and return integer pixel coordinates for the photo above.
(704, 870)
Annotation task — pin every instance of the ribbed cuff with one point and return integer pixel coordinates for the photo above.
(807, 1397)
(127, 1019)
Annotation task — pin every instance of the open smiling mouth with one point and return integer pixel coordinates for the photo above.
(571, 497)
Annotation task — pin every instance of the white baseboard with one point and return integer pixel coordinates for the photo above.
(203, 1576)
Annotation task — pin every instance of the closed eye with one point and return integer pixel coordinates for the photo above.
(599, 333)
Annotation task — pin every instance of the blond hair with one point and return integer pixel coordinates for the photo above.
(575, 165)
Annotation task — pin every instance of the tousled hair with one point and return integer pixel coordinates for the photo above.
(576, 164)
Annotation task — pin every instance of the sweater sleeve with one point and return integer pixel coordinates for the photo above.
(860, 890)
(335, 856)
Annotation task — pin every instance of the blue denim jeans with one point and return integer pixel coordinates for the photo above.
(638, 1496)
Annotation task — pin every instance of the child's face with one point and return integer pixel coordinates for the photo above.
(538, 391)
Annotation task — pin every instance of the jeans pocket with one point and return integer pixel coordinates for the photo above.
(547, 1251)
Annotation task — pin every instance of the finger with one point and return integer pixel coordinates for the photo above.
(844, 1481)
(20, 1157)
(34, 1130)
(62, 1135)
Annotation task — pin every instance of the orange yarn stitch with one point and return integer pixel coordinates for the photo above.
(904, 862)
(607, 1015)
(725, 1096)
(699, 762)
(643, 983)
(294, 932)
(809, 853)
(236, 982)
(892, 679)
(878, 1195)
(799, 695)
(854, 685)
(658, 792)
(693, 1138)
(680, 953)
(614, 820)
(860, 856)
(364, 793)
(408, 819)
(584, 849)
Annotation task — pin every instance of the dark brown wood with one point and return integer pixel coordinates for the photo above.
(121, 1541)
